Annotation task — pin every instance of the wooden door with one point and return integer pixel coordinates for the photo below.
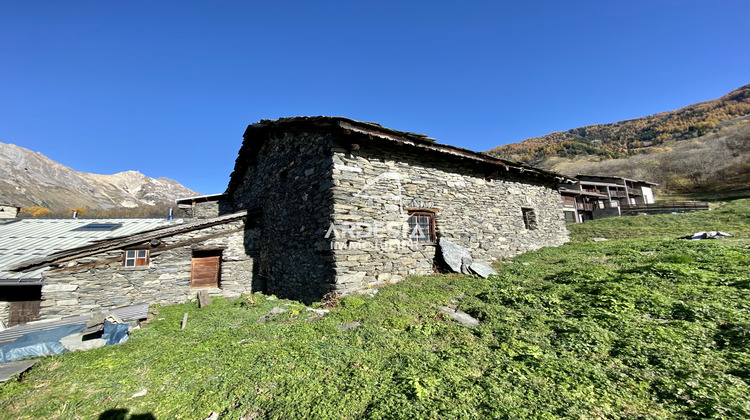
(204, 271)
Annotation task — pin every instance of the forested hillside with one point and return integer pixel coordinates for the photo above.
(704, 147)
(625, 138)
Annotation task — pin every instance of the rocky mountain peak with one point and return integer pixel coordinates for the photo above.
(29, 178)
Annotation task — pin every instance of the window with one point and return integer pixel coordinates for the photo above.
(529, 218)
(570, 217)
(99, 226)
(422, 227)
(136, 258)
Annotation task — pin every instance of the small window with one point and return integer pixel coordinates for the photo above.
(136, 258)
(422, 227)
(529, 218)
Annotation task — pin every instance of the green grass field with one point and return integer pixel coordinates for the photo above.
(641, 326)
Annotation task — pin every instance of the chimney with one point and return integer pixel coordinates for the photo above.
(170, 215)
(75, 214)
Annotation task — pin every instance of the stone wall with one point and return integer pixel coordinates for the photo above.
(286, 177)
(100, 282)
(205, 209)
(476, 207)
(4, 312)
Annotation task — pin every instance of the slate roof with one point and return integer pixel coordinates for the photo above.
(257, 132)
(24, 239)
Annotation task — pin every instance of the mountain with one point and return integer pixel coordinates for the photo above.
(701, 147)
(630, 137)
(31, 179)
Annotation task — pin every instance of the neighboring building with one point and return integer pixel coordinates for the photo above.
(317, 205)
(164, 265)
(579, 206)
(597, 197)
(9, 211)
(24, 239)
(623, 191)
(203, 206)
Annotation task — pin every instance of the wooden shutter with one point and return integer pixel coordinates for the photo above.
(205, 271)
(23, 311)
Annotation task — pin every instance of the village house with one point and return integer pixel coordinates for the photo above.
(317, 205)
(345, 205)
(596, 197)
(22, 240)
(164, 264)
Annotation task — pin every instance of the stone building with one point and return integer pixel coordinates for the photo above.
(345, 205)
(22, 240)
(317, 205)
(165, 265)
(597, 197)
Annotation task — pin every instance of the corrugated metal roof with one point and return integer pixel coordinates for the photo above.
(34, 238)
(119, 242)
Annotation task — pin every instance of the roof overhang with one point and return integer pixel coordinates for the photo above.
(200, 198)
(615, 178)
(121, 242)
(372, 131)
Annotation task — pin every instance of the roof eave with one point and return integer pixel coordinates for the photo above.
(120, 242)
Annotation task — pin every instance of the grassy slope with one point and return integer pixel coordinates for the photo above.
(643, 326)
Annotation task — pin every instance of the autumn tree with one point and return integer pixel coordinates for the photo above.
(34, 211)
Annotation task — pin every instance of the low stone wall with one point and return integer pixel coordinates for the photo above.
(606, 212)
(101, 282)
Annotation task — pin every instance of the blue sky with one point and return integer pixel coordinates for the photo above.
(168, 87)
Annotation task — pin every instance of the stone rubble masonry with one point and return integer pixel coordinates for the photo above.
(206, 209)
(304, 181)
(71, 291)
(290, 182)
(4, 312)
(482, 213)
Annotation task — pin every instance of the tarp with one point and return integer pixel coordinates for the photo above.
(39, 343)
(115, 333)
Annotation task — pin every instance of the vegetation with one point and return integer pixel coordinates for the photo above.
(716, 162)
(628, 137)
(34, 211)
(96, 213)
(641, 326)
(699, 148)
